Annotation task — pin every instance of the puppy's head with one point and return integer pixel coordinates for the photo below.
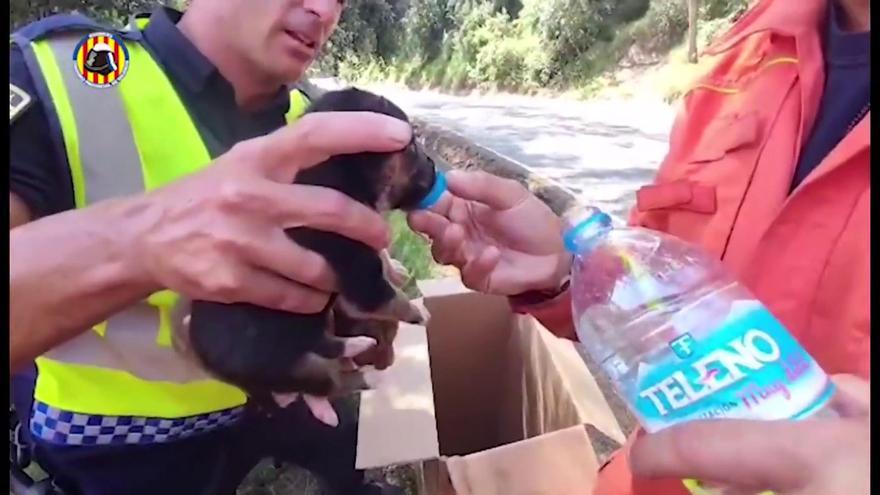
(385, 181)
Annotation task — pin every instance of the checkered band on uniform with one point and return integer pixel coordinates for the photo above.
(64, 427)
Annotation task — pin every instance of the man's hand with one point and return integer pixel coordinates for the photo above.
(808, 457)
(216, 235)
(219, 234)
(503, 239)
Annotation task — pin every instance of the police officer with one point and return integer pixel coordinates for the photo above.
(169, 168)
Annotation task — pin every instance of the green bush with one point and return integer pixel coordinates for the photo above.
(664, 25)
(367, 29)
(516, 45)
(500, 65)
(425, 25)
(513, 44)
(631, 10)
(568, 28)
(479, 44)
(112, 12)
(413, 251)
(717, 9)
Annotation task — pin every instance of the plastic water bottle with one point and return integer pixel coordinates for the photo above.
(678, 336)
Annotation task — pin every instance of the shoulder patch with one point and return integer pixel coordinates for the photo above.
(18, 101)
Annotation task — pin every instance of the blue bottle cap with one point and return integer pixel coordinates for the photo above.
(585, 225)
(435, 193)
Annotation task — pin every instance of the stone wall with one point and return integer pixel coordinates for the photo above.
(451, 149)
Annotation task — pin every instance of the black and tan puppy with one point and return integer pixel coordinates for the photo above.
(272, 354)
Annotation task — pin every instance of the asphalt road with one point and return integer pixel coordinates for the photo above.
(603, 151)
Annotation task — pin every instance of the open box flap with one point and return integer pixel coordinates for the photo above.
(468, 337)
(548, 451)
(397, 422)
(556, 389)
(556, 463)
(491, 379)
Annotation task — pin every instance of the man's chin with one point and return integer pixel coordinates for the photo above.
(293, 70)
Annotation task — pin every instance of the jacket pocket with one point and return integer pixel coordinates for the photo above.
(682, 194)
(699, 190)
(726, 135)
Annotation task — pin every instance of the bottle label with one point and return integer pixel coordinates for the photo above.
(750, 368)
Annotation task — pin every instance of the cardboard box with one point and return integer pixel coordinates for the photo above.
(485, 402)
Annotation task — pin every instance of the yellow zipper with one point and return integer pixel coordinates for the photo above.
(696, 488)
(731, 91)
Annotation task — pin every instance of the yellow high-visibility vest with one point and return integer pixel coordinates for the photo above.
(119, 141)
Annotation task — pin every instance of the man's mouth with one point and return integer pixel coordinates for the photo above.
(304, 44)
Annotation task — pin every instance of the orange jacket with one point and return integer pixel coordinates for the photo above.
(724, 185)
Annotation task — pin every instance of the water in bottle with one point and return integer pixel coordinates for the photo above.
(678, 336)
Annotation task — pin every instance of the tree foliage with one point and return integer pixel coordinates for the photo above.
(510, 43)
(114, 12)
(514, 44)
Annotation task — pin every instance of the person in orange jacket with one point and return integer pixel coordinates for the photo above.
(768, 169)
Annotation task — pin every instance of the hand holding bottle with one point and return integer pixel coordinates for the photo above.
(810, 457)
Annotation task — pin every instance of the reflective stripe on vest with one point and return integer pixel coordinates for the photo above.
(124, 140)
(298, 105)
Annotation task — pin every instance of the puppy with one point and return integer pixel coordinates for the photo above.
(383, 331)
(275, 355)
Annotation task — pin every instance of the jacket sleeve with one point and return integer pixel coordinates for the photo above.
(553, 313)
(604, 268)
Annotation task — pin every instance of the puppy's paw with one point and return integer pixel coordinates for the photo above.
(383, 357)
(322, 410)
(410, 312)
(357, 345)
(372, 378)
(348, 364)
(284, 400)
(399, 308)
(413, 315)
(423, 315)
(402, 309)
(352, 382)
